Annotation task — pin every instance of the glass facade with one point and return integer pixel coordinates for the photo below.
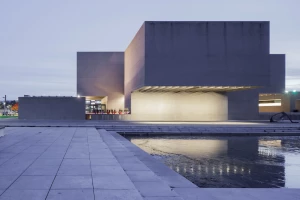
(94, 106)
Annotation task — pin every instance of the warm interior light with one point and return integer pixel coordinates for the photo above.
(270, 102)
(193, 88)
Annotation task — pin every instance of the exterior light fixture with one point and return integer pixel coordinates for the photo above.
(294, 91)
(286, 91)
(78, 96)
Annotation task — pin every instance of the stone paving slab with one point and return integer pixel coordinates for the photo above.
(155, 189)
(83, 194)
(33, 183)
(163, 198)
(85, 163)
(72, 182)
(6, 181)
(11, 194)
(117, 194)
(41, 170)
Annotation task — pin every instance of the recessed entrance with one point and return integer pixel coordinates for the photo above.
(95, 104)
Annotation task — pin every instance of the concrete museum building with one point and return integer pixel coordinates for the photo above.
(185, 71)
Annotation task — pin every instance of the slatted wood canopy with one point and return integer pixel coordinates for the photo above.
(192, 89)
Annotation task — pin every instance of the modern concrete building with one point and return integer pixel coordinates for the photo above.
(185, 71)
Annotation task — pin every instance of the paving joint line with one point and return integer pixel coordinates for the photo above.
(90, 163)
(23, 149)
(27, 167)
(60, 163)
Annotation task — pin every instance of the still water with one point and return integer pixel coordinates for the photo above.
(229, 162)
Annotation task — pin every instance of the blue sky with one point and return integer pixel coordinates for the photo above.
(39, 39)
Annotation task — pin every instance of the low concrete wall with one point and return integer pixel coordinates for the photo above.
(267, 116)
(262, 116)
(109, 117)
(2, 131)
(52, 108)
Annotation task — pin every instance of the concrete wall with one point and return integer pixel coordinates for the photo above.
(1, 131)
(179, 106)
(102, 74)
(243, 105)
(293, 100)
(268, 115)
(277, 75)
(52, 108)
(134, 70)
(207, 54)
(297, 105)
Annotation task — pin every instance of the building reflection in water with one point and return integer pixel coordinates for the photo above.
(222, 162)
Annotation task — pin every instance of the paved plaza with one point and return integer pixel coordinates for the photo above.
(85, 163)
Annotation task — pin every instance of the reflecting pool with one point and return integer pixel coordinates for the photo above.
(229, 162)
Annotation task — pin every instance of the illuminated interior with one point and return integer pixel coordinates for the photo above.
(95, 103)
(270, 102)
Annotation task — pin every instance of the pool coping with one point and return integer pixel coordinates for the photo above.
(197, 192)
(156, 166)
(252, 134)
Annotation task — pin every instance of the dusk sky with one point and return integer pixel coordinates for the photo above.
(39, 39)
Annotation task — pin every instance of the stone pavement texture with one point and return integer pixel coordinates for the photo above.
(84, 163)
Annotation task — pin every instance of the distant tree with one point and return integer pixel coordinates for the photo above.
(15, 107)
(11, 103)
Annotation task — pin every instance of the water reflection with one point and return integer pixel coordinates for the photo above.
(254, 162)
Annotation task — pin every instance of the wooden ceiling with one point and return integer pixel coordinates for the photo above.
(192, 89)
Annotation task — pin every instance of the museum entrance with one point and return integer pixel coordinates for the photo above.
(94, 107)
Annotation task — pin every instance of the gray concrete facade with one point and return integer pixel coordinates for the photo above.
(207, 53)
(277, 75)
(101, 74)
(52, 108)
(134, 65)
(188, 54)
